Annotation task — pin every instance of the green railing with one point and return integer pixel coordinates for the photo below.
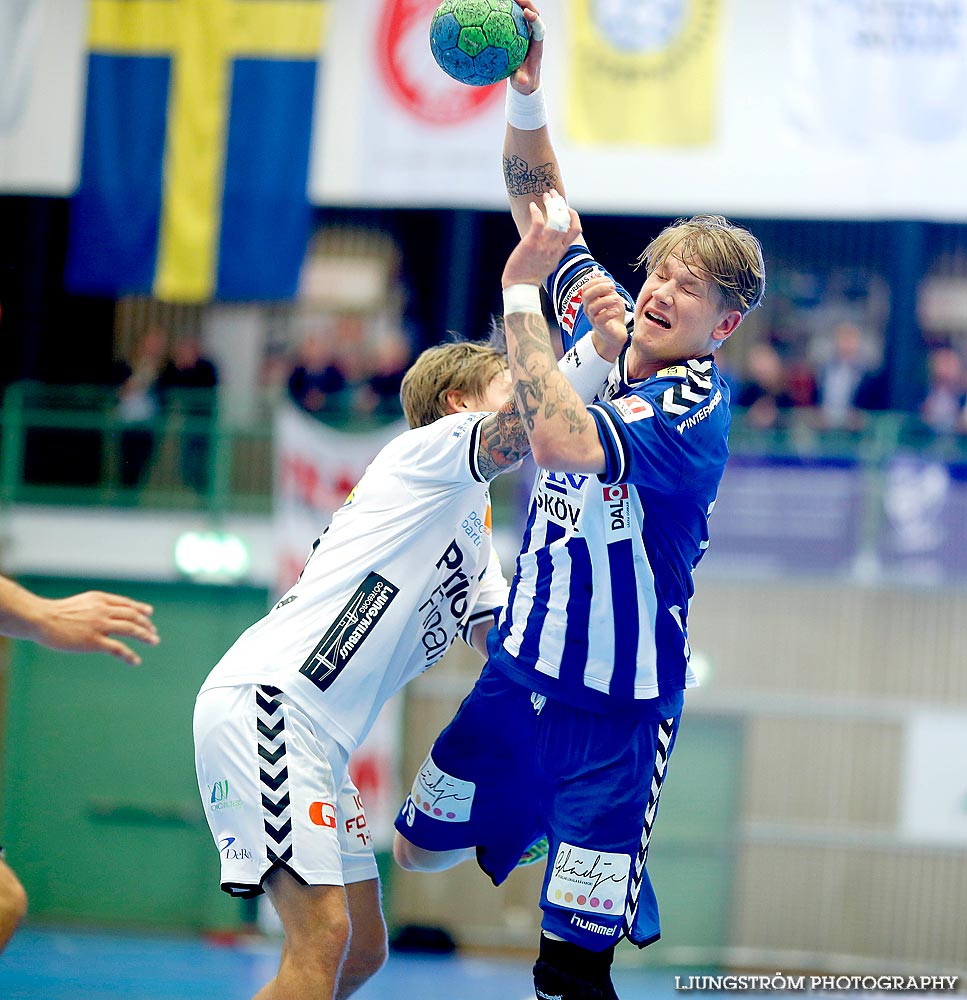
(63, 445)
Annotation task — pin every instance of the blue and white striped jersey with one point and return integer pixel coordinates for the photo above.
(598, 609)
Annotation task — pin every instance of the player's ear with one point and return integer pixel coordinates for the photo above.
(726, 326)
(456, 400)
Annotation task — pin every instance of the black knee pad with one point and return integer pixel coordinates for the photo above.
(553, 984)
(566, 971)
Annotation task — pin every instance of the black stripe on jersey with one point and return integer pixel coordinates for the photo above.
(475, 619)
(617, 457)
(666, 729)
(475, 452)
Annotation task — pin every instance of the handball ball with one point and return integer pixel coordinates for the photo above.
(479, 42)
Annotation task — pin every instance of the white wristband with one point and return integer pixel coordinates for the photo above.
(585, 369)
(526, 111)
(522, 299)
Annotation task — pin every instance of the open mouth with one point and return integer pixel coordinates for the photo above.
(657, 320)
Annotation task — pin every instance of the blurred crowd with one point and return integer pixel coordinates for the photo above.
(841, 384)
(158, 379)
(341, 367)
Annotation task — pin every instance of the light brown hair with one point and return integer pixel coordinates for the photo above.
(715, 250)
(465, 366)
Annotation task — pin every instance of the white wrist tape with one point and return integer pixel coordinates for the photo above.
(526, 111)
(585, 369)
(522, 299)
(558, 214)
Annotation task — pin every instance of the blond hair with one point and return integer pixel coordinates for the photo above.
(717, 250)
(465, 366)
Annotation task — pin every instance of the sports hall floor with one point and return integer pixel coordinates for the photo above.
(71, 965)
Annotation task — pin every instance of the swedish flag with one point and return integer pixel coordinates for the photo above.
(196, 149)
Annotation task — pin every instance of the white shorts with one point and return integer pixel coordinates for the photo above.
(268, 779)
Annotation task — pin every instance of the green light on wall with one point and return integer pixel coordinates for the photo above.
(212, 557)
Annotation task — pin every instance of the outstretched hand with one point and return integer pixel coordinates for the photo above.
(541, 247)
(528, 77)
(88, 622)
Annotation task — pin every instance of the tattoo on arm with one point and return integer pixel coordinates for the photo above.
(522, 179)
(503, 441)
(540, 387)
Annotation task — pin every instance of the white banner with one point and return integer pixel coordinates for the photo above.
(878, 74)
(390, 126)
(933, 804)
(315, 469)
(820, 109)
(43, 74)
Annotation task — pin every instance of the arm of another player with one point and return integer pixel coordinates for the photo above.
(530, 163)
(503, 437)
(84, 623)
(562, 433)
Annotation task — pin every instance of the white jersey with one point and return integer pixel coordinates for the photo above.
(405, 565)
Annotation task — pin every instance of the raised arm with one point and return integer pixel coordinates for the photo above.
(530, 164)
(562, 434)
(504, 436)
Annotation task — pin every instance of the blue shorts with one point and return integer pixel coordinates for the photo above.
(513, 766)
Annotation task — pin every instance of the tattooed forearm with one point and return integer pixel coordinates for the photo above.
(523, 179)
(543, 393)
(503, 441)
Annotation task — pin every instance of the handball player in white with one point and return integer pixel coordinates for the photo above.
(405, 566)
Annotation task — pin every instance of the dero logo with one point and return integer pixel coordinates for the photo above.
(233, 853)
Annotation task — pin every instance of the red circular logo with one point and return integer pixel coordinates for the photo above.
(412, 76)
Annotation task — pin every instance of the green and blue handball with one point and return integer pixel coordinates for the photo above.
(479, 42)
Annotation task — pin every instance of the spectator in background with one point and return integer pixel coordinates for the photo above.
(942, 409)
(317, 383)
(763, 393)
(139, 404)
(188, 384)
(379, 394)
(801, 382)
(847, 384)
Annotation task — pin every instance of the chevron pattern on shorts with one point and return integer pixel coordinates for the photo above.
(274, 774)
(665, 730)
(679, 399)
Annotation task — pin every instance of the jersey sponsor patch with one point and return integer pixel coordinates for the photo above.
(560, 497)
(571, 303)
(348, 632)
(699, 415)
(475, 527)
(441, 796)
(465, 425)
(589, 881)
(617, 511)
(632, 408)
(447, 604)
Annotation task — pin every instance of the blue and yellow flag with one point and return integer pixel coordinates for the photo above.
(642, 72)
(196, 149)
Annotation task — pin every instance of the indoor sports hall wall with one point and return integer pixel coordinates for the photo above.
(814, 815)
(101, 818)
